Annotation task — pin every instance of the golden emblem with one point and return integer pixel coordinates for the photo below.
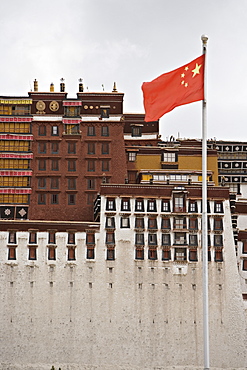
(54, 106)
(40, 105)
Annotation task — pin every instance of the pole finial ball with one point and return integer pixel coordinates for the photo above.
(204, 38)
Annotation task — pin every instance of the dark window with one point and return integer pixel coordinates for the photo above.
(72, 147)
(54, 182)
(139, 239)
(166, 255)
(244, 264)
(91, 184)
(193, 239)
(91, 148)
(152, 239)
(110, 205)
(71, 165)
(71, 183)
(139, 223)
(110, 222)
(139, 205)
(139, 255)
(110, 254)
(54, 198)
(218, 240)
(11, 253)
(71, 199)
(125, 222)
(104, 112)
(193, 206)
(165, 206)
(180, 238)
(42, 130)
(32, 237)
(12, 237)
(54, 164)
(71, 254)
(72, 111)
(105, 165)
(193, 223)
(218, 207)
(71, 238)
(32, 253)
(54, 148)
(51, 253)
(104, 131)
(90, 253)
(179, 223)
(152, 223)
(136, 131)
(218, 256)
(91, 165)
(41, 198)
(105, 148)
(165, 224)
(218, 224)
(54, 131)
(166, 239)
(152, 205)
(90, 238)
(152, 254)
(91, 131)
(52, 238)
(125, 205)
(244, 250)
(179, 203)
(91, 197)
(42, 147)
(110, 238)
(193, 255)
(42, 164)
(180, 254)
(73, 129)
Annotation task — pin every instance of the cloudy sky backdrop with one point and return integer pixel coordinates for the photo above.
(130, 41)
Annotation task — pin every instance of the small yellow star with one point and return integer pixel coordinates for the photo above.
(186, 68)
(196, 70)
(182, 82)
(186, 84)
(182, 75)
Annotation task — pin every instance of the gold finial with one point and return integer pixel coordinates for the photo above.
(114, 87)
(35, 85)
(52, 87)
(80, 85)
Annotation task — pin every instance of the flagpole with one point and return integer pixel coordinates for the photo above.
(204, 39)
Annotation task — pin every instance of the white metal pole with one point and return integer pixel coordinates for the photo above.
(204, 39)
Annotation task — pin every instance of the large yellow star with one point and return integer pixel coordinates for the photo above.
(196, 70)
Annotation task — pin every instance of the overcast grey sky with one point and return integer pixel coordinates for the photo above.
(130, 41)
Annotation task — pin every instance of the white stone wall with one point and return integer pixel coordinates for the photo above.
(122, 314)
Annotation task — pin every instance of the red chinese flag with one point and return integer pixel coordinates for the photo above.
(182, 86)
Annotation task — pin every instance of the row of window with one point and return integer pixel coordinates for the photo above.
(179, 238)
(54, 183)
(174, 254)
(15, 110)
(54, 148)
(10, 181)
(14, 146)
(14, 164)
(177, 205)
(15, 127)
(72, 129)
(190, 223)
(54, 164)
(54, 198)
